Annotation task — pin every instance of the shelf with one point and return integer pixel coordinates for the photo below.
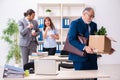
(73, 5)
(71, 16)
(55, 9)
(58, 16)
(60, 11)
(49, 4)
(49, 16)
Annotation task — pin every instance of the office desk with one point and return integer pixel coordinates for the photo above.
(56, 57)
(106, 70)
(65, 75)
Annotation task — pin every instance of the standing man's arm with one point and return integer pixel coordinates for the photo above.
(37, 29)
(23, 30)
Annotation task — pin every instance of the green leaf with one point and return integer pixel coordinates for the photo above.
(48, 10)
(10, 35)
(7, 39)
(101, 31)
(12, 28)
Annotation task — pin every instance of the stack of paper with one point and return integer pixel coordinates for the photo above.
(13, 72)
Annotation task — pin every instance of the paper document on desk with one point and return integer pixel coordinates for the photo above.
(40, 54)
(13, 72)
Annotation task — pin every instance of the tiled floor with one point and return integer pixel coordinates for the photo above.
(110, 69)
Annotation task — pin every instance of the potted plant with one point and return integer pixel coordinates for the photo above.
(100, 42)
(101, 31)
(48, 11)
(10, 35)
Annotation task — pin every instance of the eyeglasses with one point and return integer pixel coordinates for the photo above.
(91, 16)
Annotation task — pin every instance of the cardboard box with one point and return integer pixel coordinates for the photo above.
(101, 43)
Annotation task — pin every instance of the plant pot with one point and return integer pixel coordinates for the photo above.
(48, 13)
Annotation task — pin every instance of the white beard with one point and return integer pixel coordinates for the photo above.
(88, 22)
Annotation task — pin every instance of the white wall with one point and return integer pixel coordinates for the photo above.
(107, 15)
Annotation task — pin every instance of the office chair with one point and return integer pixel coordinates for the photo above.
(68, 64)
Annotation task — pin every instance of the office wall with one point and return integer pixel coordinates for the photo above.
(107, 15)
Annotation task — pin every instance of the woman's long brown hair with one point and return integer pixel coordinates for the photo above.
(51, 23)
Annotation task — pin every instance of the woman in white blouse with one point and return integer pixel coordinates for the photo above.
(50, 35)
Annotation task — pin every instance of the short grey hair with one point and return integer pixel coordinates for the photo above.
(88, 9)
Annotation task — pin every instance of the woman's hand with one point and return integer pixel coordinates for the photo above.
(54, 36)
(47, 28)
(45, 33)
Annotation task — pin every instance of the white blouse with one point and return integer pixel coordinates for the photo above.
(49, 42)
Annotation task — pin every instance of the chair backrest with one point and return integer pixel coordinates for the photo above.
(67, 65)
(64, 52)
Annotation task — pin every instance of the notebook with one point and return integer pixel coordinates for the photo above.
(45, 67)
